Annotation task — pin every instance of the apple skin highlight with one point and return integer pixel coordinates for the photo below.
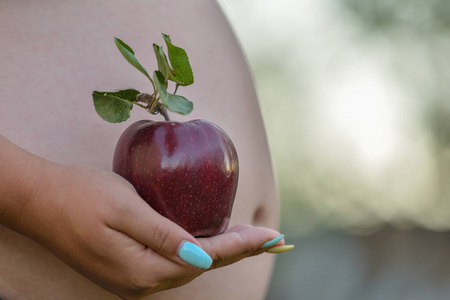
(186, 171)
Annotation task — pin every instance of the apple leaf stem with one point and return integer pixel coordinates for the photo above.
(115, 106)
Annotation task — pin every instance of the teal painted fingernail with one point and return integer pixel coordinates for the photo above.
(194, 255)
(273, 242)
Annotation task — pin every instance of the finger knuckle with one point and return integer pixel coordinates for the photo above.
(161, 238)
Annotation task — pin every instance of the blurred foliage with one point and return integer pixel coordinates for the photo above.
(422, 30)
(418, 18)
(300, 53)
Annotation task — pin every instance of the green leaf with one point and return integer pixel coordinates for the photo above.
(182, 71)
(175, 103)
(128, 54)
(114, 106)
(164, 67)
(163, 64)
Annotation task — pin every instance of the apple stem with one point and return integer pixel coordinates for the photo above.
(163, 111)
(153, 104)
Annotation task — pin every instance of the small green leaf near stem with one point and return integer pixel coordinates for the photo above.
(128, 54)
(175, 103)
(115, 106)
(181, 72)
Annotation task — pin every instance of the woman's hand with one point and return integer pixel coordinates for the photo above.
(96, 222)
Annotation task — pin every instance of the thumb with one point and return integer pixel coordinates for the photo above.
(141, 222)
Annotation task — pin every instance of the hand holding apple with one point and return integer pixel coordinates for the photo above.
(187, 171)
(96, 223)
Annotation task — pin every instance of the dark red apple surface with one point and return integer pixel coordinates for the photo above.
(188, 172)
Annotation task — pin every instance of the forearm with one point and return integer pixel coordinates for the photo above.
(20, 174)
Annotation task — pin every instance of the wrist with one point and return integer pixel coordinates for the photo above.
(22, 175)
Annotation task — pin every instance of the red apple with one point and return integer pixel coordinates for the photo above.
(187, 171)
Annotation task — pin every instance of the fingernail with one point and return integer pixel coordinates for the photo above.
(195, 256)
(280, 249)
(273, 242)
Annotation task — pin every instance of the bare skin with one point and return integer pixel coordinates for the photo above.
(57, 53)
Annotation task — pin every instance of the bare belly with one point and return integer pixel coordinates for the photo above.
(57, 53)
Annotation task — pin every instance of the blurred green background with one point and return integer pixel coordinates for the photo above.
(356, 100)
